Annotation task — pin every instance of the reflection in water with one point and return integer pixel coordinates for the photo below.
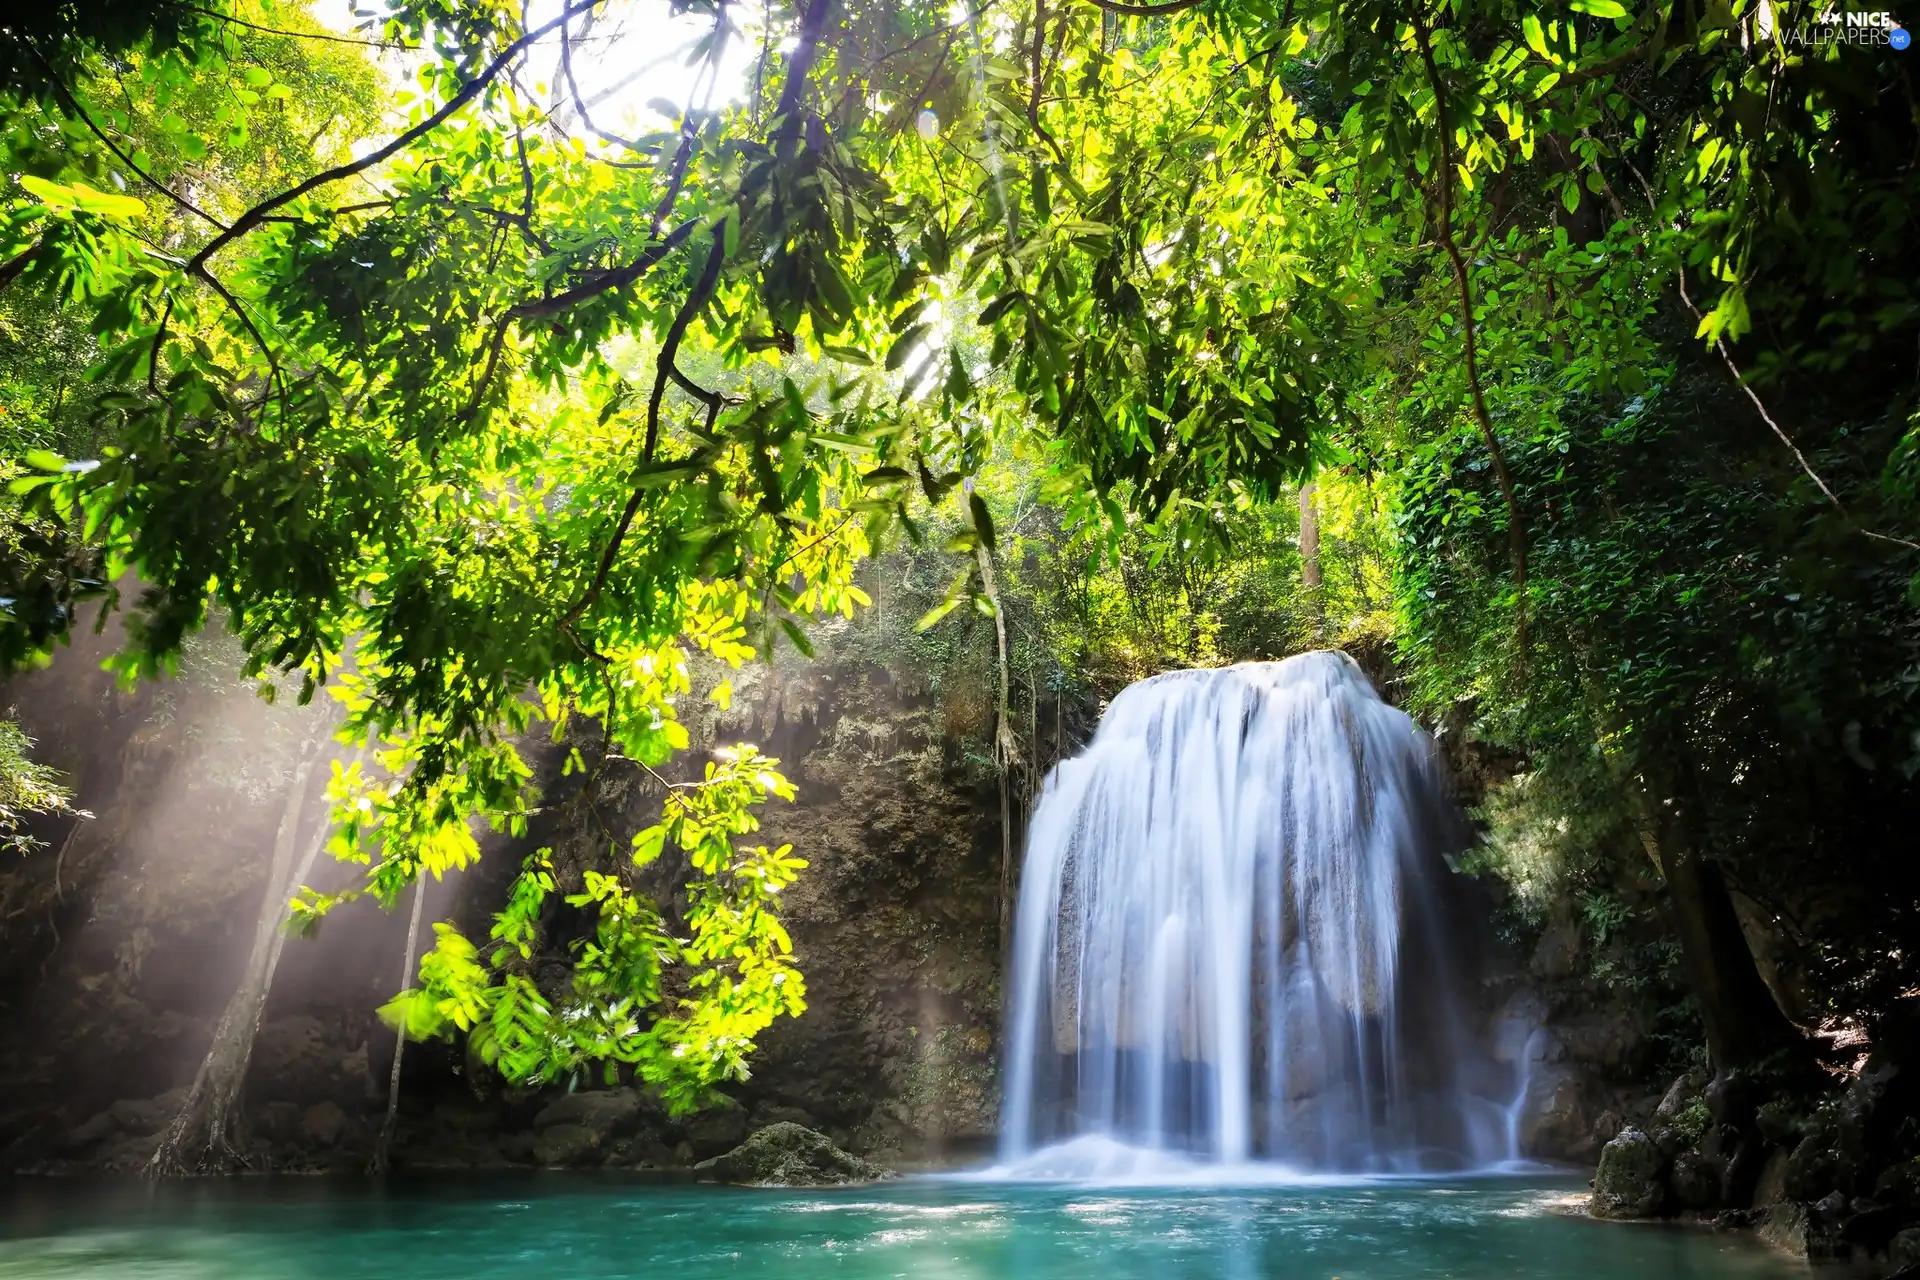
(590, 1228)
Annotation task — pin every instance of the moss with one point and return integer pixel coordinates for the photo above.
(789, 1155)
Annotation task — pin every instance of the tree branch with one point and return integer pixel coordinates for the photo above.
(1143, 10)
(606, 281)
(1516, 533)
(580, 101)
(73, 105)
(232, 21)
(468, 92)
(813, 21)
(665, 370)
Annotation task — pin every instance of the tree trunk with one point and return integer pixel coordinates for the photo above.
(1006, 746)
(204, 1135)
(383, 1151)
(1744, 1025)
(1310, 557)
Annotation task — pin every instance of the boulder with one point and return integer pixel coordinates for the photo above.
(605, 1111)
(1899, 1186)
(1555, 1120)
(717, 1130)
(146, 1115)
(297, 1059)
(1903, 1250)
(1680, 1094)
(788, 1155)
(1696, 1180)
(1630, 1182)
(1814, 1169)
(564, 1146)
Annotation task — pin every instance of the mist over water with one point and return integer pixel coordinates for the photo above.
(1233, 943)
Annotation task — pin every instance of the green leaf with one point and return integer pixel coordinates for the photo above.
(799, 637)
(77, 197)
(44, 460)
(905, 345)
(648, 844)
(1000, 305)
(982, 518)
(938, 612)
(1599, 8)
(1536, 37)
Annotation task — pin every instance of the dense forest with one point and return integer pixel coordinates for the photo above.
(1560, 362)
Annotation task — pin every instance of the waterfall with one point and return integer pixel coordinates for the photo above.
(1234, 939)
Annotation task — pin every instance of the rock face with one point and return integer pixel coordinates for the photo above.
(788, 1155)
(124, 938)
(1629, 1182)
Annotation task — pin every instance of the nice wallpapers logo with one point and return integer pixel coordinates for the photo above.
(1836, 26)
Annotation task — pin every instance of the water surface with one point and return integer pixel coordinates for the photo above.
(601, 1228)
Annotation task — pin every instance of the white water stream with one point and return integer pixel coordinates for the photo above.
(1233, 943)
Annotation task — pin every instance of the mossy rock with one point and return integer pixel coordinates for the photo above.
(1631, 1180)
(789, 1155)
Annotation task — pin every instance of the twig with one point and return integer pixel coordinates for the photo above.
(606, 281)
(1516, 533)
(664, 365)
(1143, 10)
(1720, 345)
(300, 35)
(1740, 380)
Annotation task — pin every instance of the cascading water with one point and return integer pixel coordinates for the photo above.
(1233, 940)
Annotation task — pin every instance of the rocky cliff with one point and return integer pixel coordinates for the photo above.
(123, 938)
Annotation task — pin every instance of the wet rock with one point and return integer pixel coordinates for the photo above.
(606, 1112)
(1630, 1182)
(1871, 1225)
(86, 1136)
(787, 1155)
(1903, 1250)
(1558, 953)
(278, 1122)
(564, 1146)
(147, 1115)
(1680, 1095)
(718, 1130)
(1813, 1169)
(299, 1059)
(1771, 1188)
(1899, 1186)
(1555, 1119)
(323, 1124)
(1785, 1228)
(1696, 1180)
